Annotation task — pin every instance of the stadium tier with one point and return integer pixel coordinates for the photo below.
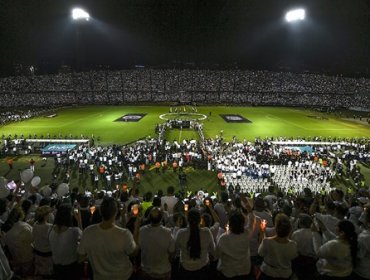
(197, 86)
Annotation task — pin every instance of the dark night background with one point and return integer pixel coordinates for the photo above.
(186, 33)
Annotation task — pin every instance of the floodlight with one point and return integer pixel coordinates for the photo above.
(295, 15)
(79, 14)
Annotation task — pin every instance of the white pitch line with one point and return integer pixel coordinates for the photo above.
(180, 135)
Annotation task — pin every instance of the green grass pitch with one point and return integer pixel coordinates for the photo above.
(100, 121)
(265, 121)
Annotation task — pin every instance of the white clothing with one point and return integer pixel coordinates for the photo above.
(329, 221)
(19, 239)
(108, 251)
(155, 255)
(234, 255)
(64, 245)
(40, 235)
(5, 272)
(170, 201)
(334, 257)
(363, 255)
(206, 243)
(303, 238)
(277, 257)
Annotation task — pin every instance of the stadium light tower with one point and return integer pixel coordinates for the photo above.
(80, 14)
(295, 15)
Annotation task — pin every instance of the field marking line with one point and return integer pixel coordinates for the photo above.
(180, 134)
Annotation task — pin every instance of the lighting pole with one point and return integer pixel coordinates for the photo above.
(294, 18)
(78, 15)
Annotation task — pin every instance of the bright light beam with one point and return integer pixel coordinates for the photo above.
(79, 14)
(295, 15)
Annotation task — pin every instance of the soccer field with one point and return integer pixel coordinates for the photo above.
(100, 121)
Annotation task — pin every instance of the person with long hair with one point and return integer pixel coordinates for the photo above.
(337, 257)
(64, 238)
(41, 245)
(195, 244)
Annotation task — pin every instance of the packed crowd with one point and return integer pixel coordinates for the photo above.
(19, 114)
(201, 86)
(121, 235)
(253, 228)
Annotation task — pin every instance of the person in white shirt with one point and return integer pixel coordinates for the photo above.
(337, 257)
(41, 246)
(155, 256)
(63, 240)
(194, 244)
(278, 251)
(18, 239)
(169, 199)
(304, 266)
(362, 268)
(233, 248)
(108, 246)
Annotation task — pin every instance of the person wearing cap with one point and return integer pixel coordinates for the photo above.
(41, 246)
(155, 256)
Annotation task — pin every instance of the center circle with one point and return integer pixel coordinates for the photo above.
(183, 116)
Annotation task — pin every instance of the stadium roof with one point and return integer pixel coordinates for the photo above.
(248, 33)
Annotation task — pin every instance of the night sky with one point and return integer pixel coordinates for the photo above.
(334, 39)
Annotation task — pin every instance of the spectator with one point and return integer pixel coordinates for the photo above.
(155, 256)
(169, 199)
(108, 246)
(362, 269)
(41, 245)
(338, 256)
(18, 239)
(63, 240)
(233, 248)
(278, 251)
(195, 245)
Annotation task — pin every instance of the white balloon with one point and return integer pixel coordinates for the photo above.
(35, 181)
(3, 181)
(62, 189)
(26, 175)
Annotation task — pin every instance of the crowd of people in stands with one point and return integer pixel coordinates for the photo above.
(236, 233)
(201, 86)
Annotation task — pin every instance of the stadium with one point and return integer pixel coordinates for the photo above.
(160, 130)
